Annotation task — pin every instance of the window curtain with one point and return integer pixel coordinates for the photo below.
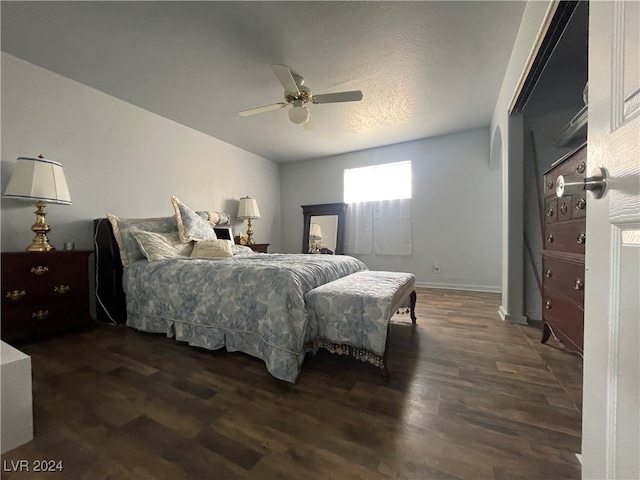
(380, 228)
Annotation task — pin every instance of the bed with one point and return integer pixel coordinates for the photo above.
(248, 302)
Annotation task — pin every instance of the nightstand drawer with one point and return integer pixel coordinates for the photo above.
(18, 294)
(42, 319)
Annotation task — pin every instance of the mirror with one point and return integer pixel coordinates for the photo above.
(323, 228)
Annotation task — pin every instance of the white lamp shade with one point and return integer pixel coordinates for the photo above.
(299, 114)
(248, 208)
(315, 231)
(38, 179)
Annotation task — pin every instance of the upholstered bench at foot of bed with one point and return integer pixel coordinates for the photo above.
(353, 313)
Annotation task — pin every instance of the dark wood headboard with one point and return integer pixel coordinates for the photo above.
(111, 302)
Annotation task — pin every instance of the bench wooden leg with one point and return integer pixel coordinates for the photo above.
(412, 302)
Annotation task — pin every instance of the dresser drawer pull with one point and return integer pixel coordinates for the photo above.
(564, 208)
(547, 305)
(40, 314)
(16, 294)
(581, 167)
(581, 204)
(548, 273)
(550, 184)
(39, 270)
(582, 239)
(62, 289)
(550, 212)
(550, 238)
(579, 285)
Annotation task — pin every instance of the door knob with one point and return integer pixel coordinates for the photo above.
(574, 184)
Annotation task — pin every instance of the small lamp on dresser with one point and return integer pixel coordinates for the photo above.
(248, 209)
(42, 181)
(315, 234)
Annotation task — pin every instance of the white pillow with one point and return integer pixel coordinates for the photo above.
(160, 246)
(212, 249)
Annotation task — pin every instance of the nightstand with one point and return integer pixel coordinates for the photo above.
(256, 247)
(259, 247)
(44, 292)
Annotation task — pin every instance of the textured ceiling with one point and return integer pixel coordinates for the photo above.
(425, 68)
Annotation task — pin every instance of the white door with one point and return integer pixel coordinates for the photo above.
(611, 405)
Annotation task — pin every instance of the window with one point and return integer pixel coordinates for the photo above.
(389, 181)
(379, 209)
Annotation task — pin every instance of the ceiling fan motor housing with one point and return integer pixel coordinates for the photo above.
(304, 95)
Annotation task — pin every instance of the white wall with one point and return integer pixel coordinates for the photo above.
(456, 207)
(119, 159)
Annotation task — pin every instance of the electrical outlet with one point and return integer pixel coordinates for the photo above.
(436, 268)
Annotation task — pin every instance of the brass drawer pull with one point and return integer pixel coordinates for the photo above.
(550, 184)
(62, 289)
(581, 204)
(582, 239)
(39, 270)
(579, 285)
(548, 305)
(16, 294)
(581, 167)
(40, 314)
(548, 273)
(550, 238)
(550, 212)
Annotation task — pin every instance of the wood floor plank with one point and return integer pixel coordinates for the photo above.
(469, 397)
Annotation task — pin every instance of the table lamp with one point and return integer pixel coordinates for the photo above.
(43, 181)
(248, 209)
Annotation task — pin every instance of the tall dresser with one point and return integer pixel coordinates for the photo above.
(563, 255)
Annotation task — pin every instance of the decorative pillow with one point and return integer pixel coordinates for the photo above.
(212, 249)
(241, 250)
(160, 246)
(127, 244)
(191, 226)
(215, 218)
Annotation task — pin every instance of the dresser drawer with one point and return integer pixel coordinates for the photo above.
(574, 163)
(565, 317)
(565, 277)
(565, 237)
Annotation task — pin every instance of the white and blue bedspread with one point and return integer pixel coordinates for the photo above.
(249, 303)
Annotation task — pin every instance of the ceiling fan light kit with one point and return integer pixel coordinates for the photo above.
(297, 94)
(299, 114)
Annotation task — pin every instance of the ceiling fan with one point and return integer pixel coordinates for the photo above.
(298, 94)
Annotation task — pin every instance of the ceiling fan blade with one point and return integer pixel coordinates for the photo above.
(352, 96)
(266, 108)
(285, 77)
(309, 124)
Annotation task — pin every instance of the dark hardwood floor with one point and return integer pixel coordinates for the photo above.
(470, 397)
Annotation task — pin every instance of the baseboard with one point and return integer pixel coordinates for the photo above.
(468, 288)
(520, 319)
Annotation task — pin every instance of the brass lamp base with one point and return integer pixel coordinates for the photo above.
(250, 240)
(40, 242)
